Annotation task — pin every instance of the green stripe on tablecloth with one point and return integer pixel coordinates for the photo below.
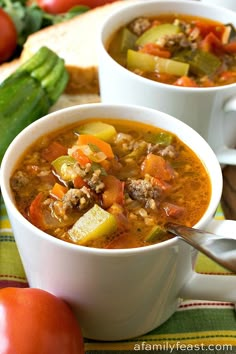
(207, 326)
(10, 264)
(164, 351)
(221, 319)
(11, 269)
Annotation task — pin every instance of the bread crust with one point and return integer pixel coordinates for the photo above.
(82, 80)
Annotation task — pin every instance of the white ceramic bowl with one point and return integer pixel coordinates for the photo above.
(116, 294)
(210, 111)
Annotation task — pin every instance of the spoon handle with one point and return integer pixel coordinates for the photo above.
(220, 249)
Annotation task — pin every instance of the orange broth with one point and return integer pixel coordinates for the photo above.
(151, 179)
(207, 47)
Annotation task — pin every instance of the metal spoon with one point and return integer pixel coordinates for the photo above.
(221, 249)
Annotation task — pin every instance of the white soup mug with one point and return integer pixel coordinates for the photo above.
(210, 111)
(117, 293)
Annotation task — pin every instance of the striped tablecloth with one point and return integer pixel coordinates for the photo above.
(197, 326)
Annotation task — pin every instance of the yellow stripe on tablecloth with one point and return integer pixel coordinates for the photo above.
(205, 264)
(11, 266)
(225, 339)
(5, 225)
(219, 215)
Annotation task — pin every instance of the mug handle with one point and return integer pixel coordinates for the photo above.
(226, 155)
(213, 287)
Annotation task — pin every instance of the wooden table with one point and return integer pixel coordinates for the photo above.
(229, 192)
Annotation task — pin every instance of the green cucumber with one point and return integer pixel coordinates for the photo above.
(200, 62)
(155, 234)
(13, 92)
(52, 78)
(153, 34)
(128, 40)
(29, 92)
(101, 130)
(25, 113)
(39, 58)
(20, 97)
(55, 92)
(94, 224)
(147, 62)
(43, 70)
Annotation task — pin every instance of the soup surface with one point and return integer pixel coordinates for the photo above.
(110, 184)
(180, 50)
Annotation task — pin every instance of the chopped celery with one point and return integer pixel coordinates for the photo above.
(154, 33)
(95, 223)
(156, 233)
(62, 165)
(162, 138)
(101, 130)
(201, 63)
(147, 62)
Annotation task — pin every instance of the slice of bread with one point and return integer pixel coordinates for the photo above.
(8, 68)
(75, 41)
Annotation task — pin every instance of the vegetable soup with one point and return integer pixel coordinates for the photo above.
(110, 184)
(180, 50)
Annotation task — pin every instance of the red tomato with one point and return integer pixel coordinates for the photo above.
(60, 6)
(35, 321)
(8, 36)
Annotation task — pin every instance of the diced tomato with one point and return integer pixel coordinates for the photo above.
(211, 43)
(113, 192)
(173, 210)
(155, 49)
(228, 77)
(122, 241)
(185, 81)
(161, 184)
(79, 182)
(205, 28)
(166, 78)
(207, 82)
(35, 211)
(53, 151)
(80, 157)
(230, 47)
(157, 167)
